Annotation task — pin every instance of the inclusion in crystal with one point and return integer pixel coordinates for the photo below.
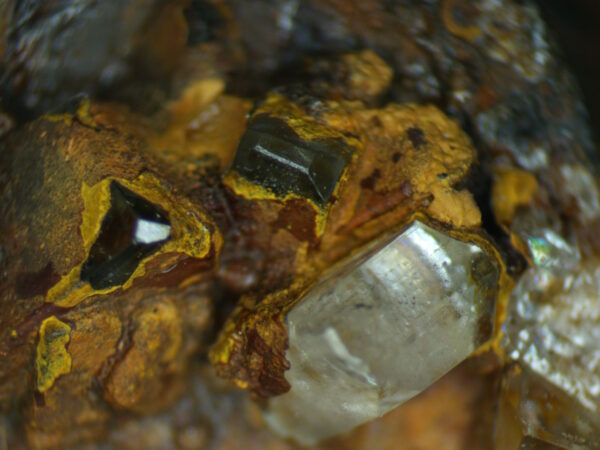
(380, 329)
(132, 229)
(272, 155)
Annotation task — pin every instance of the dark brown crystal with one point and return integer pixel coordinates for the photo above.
(120, 247)
(274, 156)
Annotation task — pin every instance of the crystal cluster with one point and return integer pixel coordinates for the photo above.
(381, 329)
(553, 333)
(268, 188)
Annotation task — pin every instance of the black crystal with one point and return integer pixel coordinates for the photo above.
(122, 244)
(272, 155)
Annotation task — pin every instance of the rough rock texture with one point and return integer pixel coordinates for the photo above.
(129, 245)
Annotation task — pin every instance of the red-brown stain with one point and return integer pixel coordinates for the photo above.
(369, 182)
(299, 218)
(34, 319)
(31, 284)
(174, 275)
(269, 379)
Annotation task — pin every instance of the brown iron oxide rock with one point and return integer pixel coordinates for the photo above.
(193, 211)
(99, 240)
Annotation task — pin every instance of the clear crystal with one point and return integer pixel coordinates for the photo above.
(534, 413)
(553, 331)
(382, 328)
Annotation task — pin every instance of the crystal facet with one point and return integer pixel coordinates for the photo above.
(132, 229)
(535, 413)
(553, 332)
(274, 156)
(373, 335)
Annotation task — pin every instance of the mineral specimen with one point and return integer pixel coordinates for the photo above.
(382, 328)
(271, 154)
(329, 203)
(394, 174)
(553, 333)
(106, 242)
(536, 413)
(131, 230)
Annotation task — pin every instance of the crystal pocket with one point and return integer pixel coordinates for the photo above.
(132, 229)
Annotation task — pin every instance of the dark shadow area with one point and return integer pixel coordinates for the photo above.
(575, 25)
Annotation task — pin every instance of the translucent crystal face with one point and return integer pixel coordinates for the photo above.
(377, 333)
(533, 409)
(553, 332)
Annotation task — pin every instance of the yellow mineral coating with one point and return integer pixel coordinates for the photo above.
(189, 234)
(506, 285)
(249, 190)
(307, 129)
(305, 126)
(67, 119)
(156, 343)
(274, 334)
(84, 114)
(221, 351)
(521, 246)
(512, 188)
(53, 359)
(96, 204)
(195, 97)
(442, 160)
(369, 74)
(432, 167)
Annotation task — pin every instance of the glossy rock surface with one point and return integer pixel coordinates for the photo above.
(373, 335)
(272, 155)
(122, 371)
(132, 229)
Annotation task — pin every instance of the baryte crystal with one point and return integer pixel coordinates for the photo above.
(381, 329)
(271, 154)
(534, 413)
(132, 229)
(553, 331)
